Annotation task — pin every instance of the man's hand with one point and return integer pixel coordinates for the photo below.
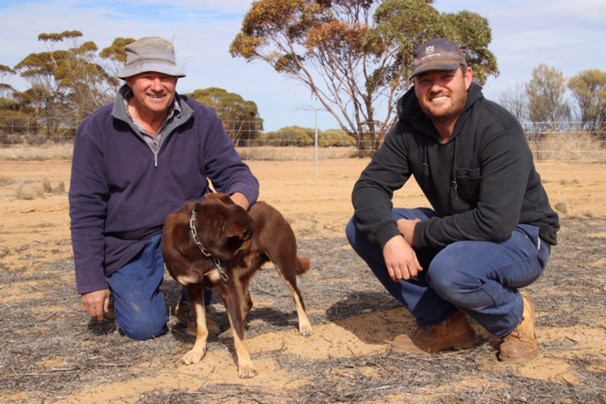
(240, 199)
(401, 260)
(96, 303)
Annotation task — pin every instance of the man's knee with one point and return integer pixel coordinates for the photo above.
(459, 286)
(350, 230)
(143, 328)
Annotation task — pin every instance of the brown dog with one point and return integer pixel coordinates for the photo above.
(214, 243)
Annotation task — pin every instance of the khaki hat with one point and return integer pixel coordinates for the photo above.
(437, 55)
(150, 54)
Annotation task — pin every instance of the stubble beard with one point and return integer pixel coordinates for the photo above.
(445, 115)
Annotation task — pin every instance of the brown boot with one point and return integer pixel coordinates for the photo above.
(522, 343)
(454, 333)
(185, 316)
(111, 309)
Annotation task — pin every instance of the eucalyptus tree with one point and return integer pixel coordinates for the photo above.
(6, 90)
(547, 105)
(354, 56)
(588, 88)
(66, 84)
(240, 117)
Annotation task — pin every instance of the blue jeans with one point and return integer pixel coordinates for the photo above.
(139, 304)
(140, 307)
(479, 278)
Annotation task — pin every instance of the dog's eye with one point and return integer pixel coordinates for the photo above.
(235, 243)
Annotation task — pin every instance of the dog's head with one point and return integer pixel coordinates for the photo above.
(223, 227)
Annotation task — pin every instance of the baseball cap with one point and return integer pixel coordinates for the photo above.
(435, 55)
(150, 54)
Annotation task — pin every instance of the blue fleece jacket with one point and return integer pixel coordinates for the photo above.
(121, 191)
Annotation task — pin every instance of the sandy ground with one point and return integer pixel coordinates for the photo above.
(34, 232)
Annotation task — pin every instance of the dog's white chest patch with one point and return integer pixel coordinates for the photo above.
(187, 279)
(213, 275)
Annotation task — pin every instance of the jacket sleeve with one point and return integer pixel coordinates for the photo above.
(224, 166)
(88, 195)
(372, 194)
(506, 164)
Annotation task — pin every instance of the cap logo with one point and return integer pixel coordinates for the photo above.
(429, 49)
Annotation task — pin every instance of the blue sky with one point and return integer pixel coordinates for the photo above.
(568, 35)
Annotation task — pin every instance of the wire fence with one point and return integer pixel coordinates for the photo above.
(546, 143)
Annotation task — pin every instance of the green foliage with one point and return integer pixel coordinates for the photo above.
(589, 89)
(240, 117)
(14, 121)
(545, 94)
(290, 136)
(13, 125)
(355, 54)
(473, 34)
(299, 136)
(116, 50)
(335, 138)
(67, 84)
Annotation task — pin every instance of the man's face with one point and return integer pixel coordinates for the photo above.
(443, 94)
(153, 92)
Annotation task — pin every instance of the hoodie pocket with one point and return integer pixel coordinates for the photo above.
(467, 182)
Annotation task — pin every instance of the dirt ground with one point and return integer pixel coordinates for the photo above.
(51, 352)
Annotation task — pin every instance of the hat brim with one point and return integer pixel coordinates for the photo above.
(446, 66)
(138, 68)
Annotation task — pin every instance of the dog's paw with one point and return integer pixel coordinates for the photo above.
(193, 356)
(305, 330)
(247, 371)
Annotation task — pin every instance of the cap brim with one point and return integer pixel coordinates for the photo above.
(134, 69)
(435, 67)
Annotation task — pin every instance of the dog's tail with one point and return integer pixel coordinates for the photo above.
(303, 265)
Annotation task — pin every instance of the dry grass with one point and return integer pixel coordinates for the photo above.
(53, 353)
(28, 191)
(569, 146)
(581, 147)
(64, 151)
(30, 153)
(264, 153)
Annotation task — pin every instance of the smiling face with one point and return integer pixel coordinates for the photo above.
(153, 94)
(443, 94)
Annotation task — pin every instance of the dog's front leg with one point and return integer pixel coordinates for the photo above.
(246, 369)
(199, 350)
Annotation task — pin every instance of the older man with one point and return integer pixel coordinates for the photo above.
(135, 161)
(490, 228)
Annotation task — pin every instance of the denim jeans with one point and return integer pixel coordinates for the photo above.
(139, 303)
(479, 278)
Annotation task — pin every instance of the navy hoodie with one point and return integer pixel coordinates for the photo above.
(482, 183)
(121, 191)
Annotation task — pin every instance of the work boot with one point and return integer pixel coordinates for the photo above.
(454, 333)
(186, 317)
(111, 309)
(522, 343)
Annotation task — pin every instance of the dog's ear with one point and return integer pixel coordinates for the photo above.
(241, 230)
(221, 197)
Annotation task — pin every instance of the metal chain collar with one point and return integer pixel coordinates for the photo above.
(194, 234)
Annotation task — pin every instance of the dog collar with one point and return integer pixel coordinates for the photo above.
(194, 234)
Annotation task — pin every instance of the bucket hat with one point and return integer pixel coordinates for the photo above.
(150, 54)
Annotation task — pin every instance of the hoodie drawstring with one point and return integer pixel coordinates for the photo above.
(453, 183)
